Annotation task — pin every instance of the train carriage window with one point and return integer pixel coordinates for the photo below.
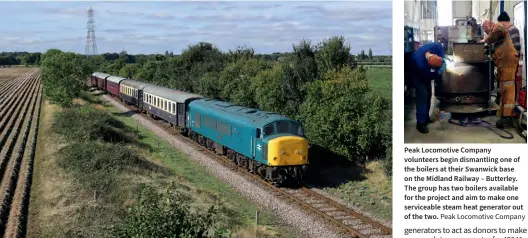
(283, 127)
(173, 108)
(268, 130)
(164, 105)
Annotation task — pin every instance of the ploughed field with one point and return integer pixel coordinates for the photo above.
(20, 97)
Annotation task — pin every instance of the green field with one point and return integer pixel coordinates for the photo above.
(381, 80)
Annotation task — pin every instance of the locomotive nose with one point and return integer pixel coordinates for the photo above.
(287, 150)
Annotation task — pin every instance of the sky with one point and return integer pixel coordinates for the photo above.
(154, 27)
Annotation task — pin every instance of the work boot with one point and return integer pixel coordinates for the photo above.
(422, 128)
(504, 122)
(429, 121)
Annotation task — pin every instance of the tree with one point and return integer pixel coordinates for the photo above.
(271, 94)
(63, 75)
(334, 54)
(129, 70)
(370, 53)
(363, 56)
(236, 84)
(241, 52)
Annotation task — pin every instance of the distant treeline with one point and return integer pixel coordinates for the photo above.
(26, 58)
(20, 58)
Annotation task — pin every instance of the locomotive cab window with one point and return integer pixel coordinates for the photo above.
(297, 129)
(268, 130)
(259, 133)
(283, 127)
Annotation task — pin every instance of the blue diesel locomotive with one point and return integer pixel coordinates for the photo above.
(265, 143)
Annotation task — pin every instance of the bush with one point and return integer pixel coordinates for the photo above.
(387, 163)
(344, 116)
(96, 165)
(165, 215)
(86, 123)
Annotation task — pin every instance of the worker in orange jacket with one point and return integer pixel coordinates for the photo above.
(506, 59)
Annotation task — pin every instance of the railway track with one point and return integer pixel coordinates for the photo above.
(350, 222)
(18, 132)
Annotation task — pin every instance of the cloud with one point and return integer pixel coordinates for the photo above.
(148, 27)
(349, 13)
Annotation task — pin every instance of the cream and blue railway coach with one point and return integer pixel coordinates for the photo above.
(131, 92)
(168, 104)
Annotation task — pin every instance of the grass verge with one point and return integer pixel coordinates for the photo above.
(371, 191)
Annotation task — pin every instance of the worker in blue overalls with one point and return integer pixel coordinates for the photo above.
(425, 64)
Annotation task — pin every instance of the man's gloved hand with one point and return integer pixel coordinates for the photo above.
(443, 68)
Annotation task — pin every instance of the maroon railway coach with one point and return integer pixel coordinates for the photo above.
(99, 79)
(112, 85)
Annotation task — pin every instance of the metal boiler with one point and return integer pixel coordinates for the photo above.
(468, 87)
